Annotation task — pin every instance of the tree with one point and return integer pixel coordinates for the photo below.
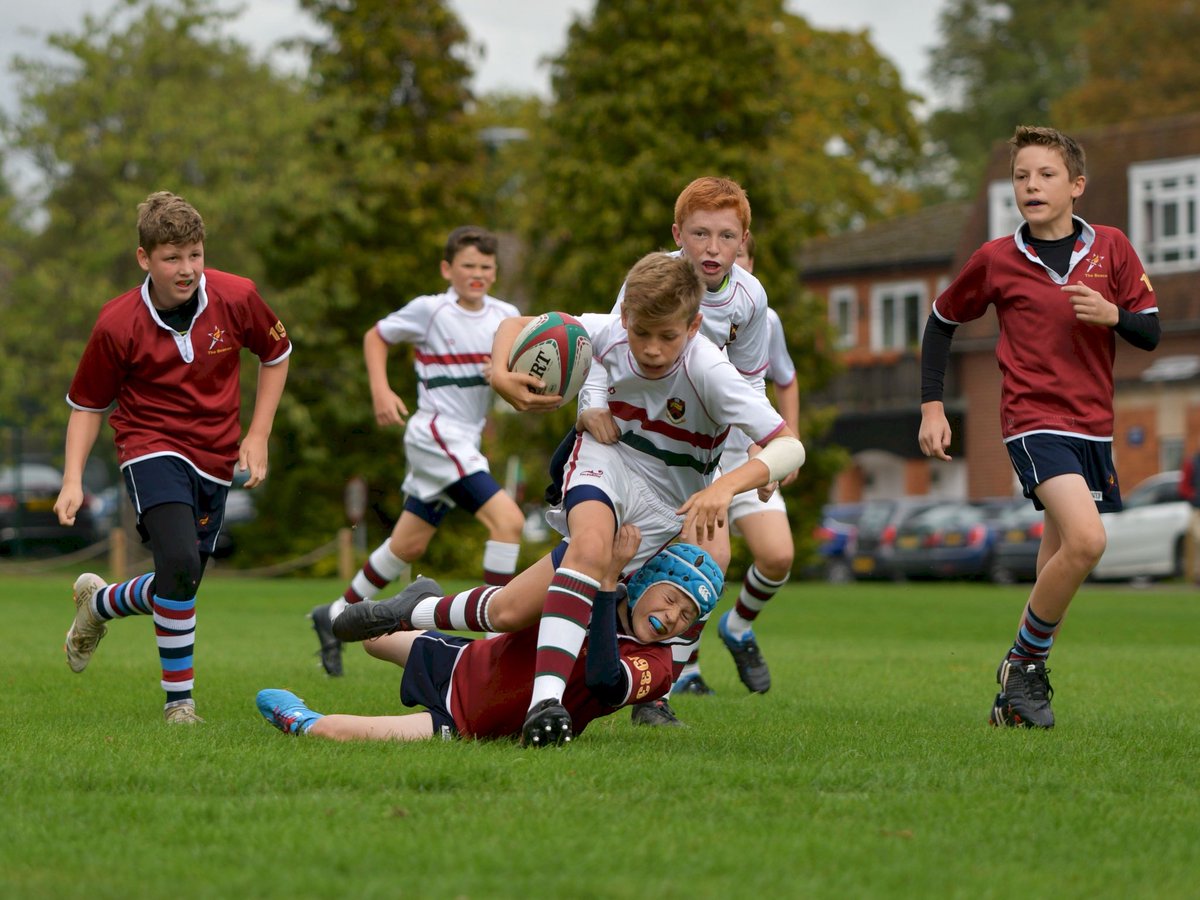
(1142, 64)
(1002, 63)
(398, 167)
(149, 97)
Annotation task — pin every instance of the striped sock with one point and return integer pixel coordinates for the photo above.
(756, 591)
(175, 634)
(381, 569)
(464, 611)
(499, 562)
(128, 598)
(565, 617)
(1035, 637)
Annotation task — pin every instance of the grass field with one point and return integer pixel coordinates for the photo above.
(867, 771)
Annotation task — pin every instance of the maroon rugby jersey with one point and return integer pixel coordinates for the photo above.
(493, 681)
(177, 395)
(1057, 371)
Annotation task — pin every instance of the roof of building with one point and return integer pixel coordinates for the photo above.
(926, 237)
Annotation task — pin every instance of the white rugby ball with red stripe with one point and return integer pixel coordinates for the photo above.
(556, 348)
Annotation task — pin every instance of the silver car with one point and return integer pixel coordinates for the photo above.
(1146, 538)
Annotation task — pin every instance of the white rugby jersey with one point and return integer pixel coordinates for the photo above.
(673, 428)
(780, 369)
(451, 345)
(735, 319)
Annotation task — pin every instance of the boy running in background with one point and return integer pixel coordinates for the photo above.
(480, 689)
(452, 336)
(167, 354)
(1063, 289)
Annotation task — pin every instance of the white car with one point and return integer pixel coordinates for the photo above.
(1145, 539)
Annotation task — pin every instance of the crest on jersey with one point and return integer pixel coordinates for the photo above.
(217, 336)
(733, 327)
(1095, 261)
(676, 409)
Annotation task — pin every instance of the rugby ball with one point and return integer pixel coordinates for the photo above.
(556, 348)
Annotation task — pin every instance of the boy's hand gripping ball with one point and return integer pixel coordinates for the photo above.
(555, 348)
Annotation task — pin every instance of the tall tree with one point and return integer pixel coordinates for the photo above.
(149, 97)
(399, 168)
(1141, 64)
(1002, 63)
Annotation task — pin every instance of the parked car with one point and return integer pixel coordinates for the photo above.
(834, 537)
(28, 522)
(873, 543)
(951, 540)
(1018, 538)
(1146, 538)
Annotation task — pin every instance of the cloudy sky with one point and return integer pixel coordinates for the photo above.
(516, 34)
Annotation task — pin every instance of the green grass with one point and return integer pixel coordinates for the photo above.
(867, 771)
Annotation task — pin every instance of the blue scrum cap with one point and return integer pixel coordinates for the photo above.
(686, 566)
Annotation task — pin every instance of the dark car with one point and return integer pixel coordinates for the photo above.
(835, 536)
(873, 543)
(950, 540)
(1018, 538)
(28, 522)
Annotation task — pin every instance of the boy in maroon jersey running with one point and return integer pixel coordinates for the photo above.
(167, 355)
(481, 688)
(1062, 290)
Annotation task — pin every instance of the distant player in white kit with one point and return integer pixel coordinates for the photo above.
(452, 338)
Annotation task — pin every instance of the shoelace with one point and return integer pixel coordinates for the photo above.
(1031, 682)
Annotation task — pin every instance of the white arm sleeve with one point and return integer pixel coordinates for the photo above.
(783, 456)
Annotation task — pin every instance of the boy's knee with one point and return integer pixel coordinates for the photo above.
(408, 547)
(1088, 547)
(508, 527)
(177, 575)
(775, 565)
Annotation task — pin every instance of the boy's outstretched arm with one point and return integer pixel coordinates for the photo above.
(388, 405)
(252, 454)
(706, 510)
(934, 433)
(82, 430)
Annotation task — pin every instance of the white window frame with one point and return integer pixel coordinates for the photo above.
(1164, 214)
(1004, 218)
(844, 297)
(898, 292)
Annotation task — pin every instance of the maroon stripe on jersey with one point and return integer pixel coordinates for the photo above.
(631, 413)
(451, 358)
(462, 473)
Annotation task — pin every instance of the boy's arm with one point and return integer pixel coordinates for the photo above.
(389, 407)
(934, 434)
(516, 387)
(705, 511)
(82, 430)
(787, 401)
(606, 678)
(252, 454)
